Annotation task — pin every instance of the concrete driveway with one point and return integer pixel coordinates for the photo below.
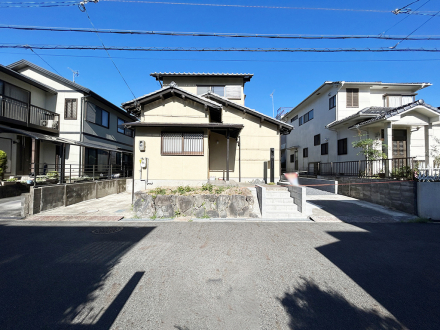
(327, 207)
(64, 275)
(10, 207)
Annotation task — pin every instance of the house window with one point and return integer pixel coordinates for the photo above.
(124, 130)
(292, 158)
(305, 152)
(182, 143)
(294, 118)
(342, 146)
(70, 109)
(398, 100)
(352, 97)
(332, 102)
(317, 139)
(324, 148)
(300, 121)
(219, 90)
(97, 115)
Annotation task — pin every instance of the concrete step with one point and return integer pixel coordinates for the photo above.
(282, 207)
(277, 194)
(283, 215)
(284, 200)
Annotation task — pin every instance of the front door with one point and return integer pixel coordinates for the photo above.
(24, 153)
(399, 143)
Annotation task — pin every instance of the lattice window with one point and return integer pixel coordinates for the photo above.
(182, 143)
(70, 109)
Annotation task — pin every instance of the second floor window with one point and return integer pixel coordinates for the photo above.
(317, 139)
(124, 130)
(332, 102)
(97, 115)
(342, 146)
(398, 100)
(324, 148)
(294, 118)
(352, 97)
(70, 109)
(219, 90)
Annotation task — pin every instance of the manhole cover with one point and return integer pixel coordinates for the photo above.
(107, 230)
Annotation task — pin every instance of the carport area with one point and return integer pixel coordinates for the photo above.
(323, 206)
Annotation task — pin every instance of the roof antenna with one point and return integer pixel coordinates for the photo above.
(75, 73)
(273, 107)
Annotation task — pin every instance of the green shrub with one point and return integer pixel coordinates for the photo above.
(180, 190)
(207, 187)
(188, 189)
(3, 161)
(52, 174)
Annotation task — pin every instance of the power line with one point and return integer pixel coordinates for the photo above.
(45, 61)
(215, 34)
(248, 6)
(415, 30)
(31, 4)
(83, 9)
(195, 49)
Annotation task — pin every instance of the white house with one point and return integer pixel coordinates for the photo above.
(336, 113)
(45, 117)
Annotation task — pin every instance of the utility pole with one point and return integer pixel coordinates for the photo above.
(75, 73)
(273, 107)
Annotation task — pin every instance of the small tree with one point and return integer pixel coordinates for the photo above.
(371, 149)
(435, 152)
(3, 160)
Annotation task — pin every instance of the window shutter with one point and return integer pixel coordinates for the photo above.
(352, 97)
(91, 112)
(233, 92)
(355, 98)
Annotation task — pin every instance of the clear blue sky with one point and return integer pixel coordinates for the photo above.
(293, 76)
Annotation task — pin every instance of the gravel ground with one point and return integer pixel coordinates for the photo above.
(218, 276)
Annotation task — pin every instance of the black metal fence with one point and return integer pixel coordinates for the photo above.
(53, 173)
(381, 168)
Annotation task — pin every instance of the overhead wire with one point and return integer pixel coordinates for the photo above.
(31, 4)
(33, 51)
(196, 49)
(215, 34)
(83, 9)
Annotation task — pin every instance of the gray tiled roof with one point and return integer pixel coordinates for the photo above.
(395, 111)
(155, 74)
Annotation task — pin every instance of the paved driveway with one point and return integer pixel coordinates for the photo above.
(219, 276)
(327, 207)
(10, 207)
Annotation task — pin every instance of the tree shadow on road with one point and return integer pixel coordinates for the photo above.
(310, 307)
(49, 274)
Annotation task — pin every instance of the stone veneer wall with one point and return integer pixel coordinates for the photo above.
(397, 195)
(199, 206)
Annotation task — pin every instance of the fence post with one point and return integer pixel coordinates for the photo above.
(331, 168)
(111, 168)
(93, 172)
(70, 173)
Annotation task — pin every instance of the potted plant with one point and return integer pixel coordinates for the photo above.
(9, 182)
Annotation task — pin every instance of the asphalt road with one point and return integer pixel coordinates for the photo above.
(10, 207)
(219, 276)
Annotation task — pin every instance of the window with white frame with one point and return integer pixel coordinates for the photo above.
(182, 144)
(398, 100)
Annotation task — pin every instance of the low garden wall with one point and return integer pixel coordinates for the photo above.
(13, 190)
(320, 184)
(199, 206)
(394, 194)
(50, 197)
(428, 205)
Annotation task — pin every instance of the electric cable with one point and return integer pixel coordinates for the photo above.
(33, 51)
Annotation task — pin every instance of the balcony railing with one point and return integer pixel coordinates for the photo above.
(28, 115)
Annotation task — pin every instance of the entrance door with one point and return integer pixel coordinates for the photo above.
(399, 143)
(24, 152)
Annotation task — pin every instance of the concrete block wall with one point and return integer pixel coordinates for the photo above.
(428, 205)
(50, 197)
(394, 194)
(299, 197)
(330, 185)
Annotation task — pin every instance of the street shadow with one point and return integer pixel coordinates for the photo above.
(50, 276)
(397, 264)
(347, 208)
(310, 307)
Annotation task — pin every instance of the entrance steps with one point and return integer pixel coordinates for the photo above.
(279, 205)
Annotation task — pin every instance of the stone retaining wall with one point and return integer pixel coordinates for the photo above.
(199, 206)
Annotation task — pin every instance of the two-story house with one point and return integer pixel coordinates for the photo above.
(197, 128)
(49, 121)
(338, 113)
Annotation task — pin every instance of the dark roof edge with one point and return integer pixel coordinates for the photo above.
(249, 110)
(26, 79)
(24, 63)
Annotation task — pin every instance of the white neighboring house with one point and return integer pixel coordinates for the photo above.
(332, 117)
(43, 115)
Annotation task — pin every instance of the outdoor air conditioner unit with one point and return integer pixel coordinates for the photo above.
(49, 123)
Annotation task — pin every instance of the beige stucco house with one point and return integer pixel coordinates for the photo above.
(197, 128)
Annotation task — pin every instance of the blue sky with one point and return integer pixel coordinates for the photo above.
(293, 76)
